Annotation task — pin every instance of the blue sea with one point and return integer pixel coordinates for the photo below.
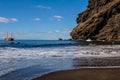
(27, 59)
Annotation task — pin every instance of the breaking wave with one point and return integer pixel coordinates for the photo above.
(18, 57)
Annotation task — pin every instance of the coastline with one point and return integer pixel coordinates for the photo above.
(94, 42)
(34, 60)
(83, 74)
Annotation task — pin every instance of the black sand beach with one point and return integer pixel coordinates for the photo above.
(84, 74)
(91, 69)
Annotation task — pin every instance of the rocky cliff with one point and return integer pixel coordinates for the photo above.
(101, 21)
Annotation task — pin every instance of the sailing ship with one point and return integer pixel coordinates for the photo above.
(9, 38)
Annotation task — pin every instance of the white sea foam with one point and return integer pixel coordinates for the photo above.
(9, 55)
(72, 51)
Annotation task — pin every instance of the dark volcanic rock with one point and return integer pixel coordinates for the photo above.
(101, 21)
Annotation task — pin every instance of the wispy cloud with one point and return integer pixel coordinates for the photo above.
(4, 20)
(50, 32)
(13, 19)
(37, 19)
(58, 17)
(59, 31)
(22, 34)
(7, 20)
(63, 31)
(16, 34)
(43, 7)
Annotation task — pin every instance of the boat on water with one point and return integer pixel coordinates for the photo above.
(9, 38)
(60, 39)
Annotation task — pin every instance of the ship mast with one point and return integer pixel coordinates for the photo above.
(11, 34)
(7, 34)
(9, 38)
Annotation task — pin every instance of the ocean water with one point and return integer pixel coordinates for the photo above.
(26, 59)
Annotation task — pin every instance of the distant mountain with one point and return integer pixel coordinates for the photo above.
(101, 21)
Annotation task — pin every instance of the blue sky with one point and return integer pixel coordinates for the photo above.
(39, 19)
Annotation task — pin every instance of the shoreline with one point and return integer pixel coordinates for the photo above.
(92, 69)
(83, 74)
(98, 42)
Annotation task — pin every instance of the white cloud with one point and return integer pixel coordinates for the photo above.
(67, 29)
(43, 7)
(4, 20)
(63, 31)
(57, 31)
(7, 20)
(36, 19)
(13, 20)
(58, 17)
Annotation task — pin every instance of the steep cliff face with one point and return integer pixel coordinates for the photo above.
(101, 21)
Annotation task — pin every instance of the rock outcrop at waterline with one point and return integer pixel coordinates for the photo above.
(101, 21)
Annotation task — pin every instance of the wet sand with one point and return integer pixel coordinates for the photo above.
(84, 74)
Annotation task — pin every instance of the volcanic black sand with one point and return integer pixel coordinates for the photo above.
(106, 73)
(84, 74)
